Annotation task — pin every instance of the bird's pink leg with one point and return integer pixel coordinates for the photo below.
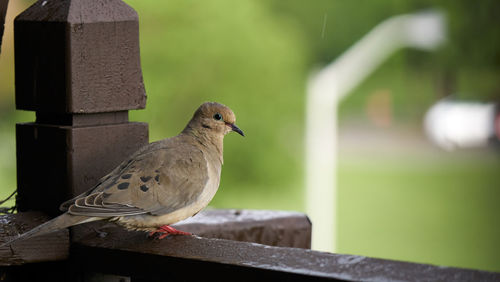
(166, 230)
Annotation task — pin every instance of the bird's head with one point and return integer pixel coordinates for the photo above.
(214, 118)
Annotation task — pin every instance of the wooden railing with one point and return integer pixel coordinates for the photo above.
(78, 66)
(257, 245)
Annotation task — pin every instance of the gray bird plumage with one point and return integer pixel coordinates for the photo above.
(160, 184)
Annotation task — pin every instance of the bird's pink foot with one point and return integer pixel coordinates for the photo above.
(166, 230)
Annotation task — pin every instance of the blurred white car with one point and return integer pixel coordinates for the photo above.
(458, 124)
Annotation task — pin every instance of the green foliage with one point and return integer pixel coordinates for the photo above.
(331, 27)
(474, 39)
(238, 54)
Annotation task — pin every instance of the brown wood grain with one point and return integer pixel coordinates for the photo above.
(50, 247)
(109, 249)
(272, 228)
(275, 228)
(193, 258)
(78, 56)
(57, 162)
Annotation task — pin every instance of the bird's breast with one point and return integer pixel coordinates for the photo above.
(150, 222)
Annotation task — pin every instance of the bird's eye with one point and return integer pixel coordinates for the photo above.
(217, 116)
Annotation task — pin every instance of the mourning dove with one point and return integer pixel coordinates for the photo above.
(162, 183)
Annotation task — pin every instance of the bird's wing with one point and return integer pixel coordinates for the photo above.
(117, 171)
(156, 181)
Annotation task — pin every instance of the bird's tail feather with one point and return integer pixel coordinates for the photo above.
(58, 223)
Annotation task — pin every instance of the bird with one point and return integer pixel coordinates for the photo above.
(160, 184)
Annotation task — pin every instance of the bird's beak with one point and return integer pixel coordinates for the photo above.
(236, 129)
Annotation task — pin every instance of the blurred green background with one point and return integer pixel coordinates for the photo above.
(399, 197)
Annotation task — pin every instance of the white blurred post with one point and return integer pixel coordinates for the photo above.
(327, 88)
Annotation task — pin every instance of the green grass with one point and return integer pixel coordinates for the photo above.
(425, 209)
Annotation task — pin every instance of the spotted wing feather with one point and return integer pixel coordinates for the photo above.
(155, 181)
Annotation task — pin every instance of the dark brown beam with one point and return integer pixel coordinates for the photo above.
(50, 247)
(109, 249)
(192, 258)
(273, 228)
(58, 271)
(289, 229)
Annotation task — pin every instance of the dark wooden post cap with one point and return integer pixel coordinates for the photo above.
(78, 56)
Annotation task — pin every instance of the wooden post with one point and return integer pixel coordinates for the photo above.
(77, 65)
(3, 13)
